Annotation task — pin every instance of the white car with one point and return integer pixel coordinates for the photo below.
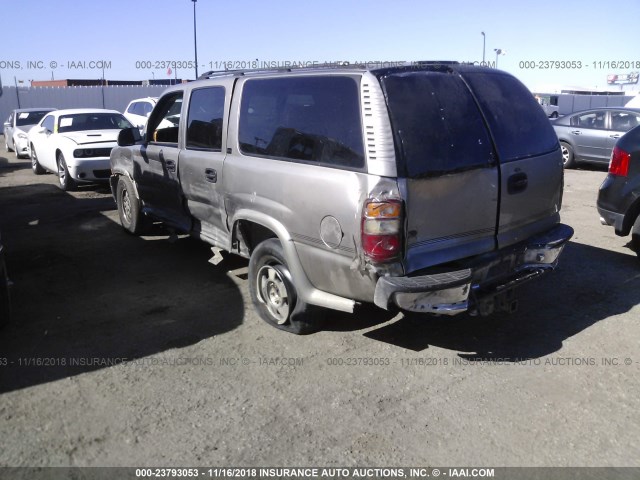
(18, 125)
(76, 144)
(139, 110)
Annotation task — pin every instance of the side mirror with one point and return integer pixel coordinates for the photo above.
(128, 137)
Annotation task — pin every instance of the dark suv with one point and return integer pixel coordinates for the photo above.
(619, 195)
(433, 187)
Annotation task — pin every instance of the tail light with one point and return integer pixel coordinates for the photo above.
(381, 229)
(619, 163)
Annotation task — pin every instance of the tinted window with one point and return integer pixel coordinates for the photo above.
(164, 125)
(314, 119)
(519, 126)
(589, 120)
(204, 122)
(623, 121)
(92, 121)
(133, 108)
(29, 118)
(436, 122)
(48, 123)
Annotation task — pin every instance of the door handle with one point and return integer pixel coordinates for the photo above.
(517, 183)
(577, 132)
(210, 175)
(171, 166)
(617, 135)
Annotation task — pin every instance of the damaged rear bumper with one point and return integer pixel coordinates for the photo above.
(482, 285)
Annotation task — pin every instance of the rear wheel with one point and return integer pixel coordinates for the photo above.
(64, 179)
(35, 165)
(568, 157)
(554, 115)
(635, 237)
(274, 294)
(131, 217)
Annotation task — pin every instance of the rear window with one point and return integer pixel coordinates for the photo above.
(305, 119)
(437, 124)
(519, 126)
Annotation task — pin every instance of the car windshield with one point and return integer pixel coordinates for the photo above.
(29, 118)
(92, 121)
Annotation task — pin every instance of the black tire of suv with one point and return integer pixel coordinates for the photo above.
(35, 165)
(634, 244)
(567, 151)
(65, 182)
(131, 218)
(268, 271)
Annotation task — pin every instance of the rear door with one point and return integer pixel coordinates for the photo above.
(447, 171)
(531, 173)
(620, 122)
(202, 158)
(590, 135)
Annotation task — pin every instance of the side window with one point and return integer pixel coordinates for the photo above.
(48, 123)
(310, 119)
(133, 108)
(589, 120)
(624, 121)
(204, 122)
(164, 125)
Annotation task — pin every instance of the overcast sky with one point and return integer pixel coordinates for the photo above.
(134, 39)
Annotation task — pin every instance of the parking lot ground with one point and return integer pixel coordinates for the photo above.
(127, 351)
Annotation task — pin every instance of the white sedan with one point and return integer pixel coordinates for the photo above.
(76, 144)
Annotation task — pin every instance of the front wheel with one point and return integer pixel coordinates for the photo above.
(131, 217)
(35, 165)
(568, 157)
(64, 179)
(274, 294)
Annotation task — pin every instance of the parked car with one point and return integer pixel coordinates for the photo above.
(76, 144)
(589, 135)
(138, 111)
(619, 194)
(17, 126)
(5, 298)
(416, 186)
(550, 109)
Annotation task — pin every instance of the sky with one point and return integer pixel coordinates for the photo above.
(548, 44)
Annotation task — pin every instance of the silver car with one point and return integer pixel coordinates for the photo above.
(412, 186)
(17, 126)
(590, 135)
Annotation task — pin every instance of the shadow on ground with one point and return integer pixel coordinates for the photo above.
(591, 285)
(87, 295)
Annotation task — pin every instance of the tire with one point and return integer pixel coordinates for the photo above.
(274, 295)
(35, 165)
(131, 217)
(554, 115)
(568, 157)
(634, 244)
(65, 181)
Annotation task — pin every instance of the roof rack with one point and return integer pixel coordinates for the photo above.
(325, 66)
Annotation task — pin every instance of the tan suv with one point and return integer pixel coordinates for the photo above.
(435, 187)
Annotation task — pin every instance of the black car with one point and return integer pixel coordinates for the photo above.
(589, 136)
(619, 196)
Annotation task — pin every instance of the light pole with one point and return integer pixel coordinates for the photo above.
(484, 43)
(195, 40)
(499, 51)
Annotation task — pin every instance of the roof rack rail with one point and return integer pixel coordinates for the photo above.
(333, 65)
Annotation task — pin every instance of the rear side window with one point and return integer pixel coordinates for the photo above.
(519, 126)
(204, 122)
(437, 124)
(306, 119)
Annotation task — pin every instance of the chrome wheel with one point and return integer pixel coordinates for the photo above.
(565, 153)
(126, 205)
(62, 173)
(272, 291)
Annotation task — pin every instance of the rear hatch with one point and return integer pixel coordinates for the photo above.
(479, 164)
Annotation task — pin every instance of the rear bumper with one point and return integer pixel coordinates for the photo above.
(480, 285)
